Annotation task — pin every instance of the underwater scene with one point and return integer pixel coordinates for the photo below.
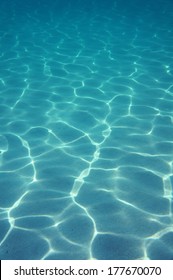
(86, 130)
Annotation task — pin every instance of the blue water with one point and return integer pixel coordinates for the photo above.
(86, 129)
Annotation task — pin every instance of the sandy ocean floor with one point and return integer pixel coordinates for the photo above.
(86, 130)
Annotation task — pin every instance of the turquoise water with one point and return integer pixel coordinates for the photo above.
(86, 129)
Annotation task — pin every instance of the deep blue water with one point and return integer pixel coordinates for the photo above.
(86, 129)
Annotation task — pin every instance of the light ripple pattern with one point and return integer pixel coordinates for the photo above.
(86, 130)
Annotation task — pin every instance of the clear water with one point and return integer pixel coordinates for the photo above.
(86, 129)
